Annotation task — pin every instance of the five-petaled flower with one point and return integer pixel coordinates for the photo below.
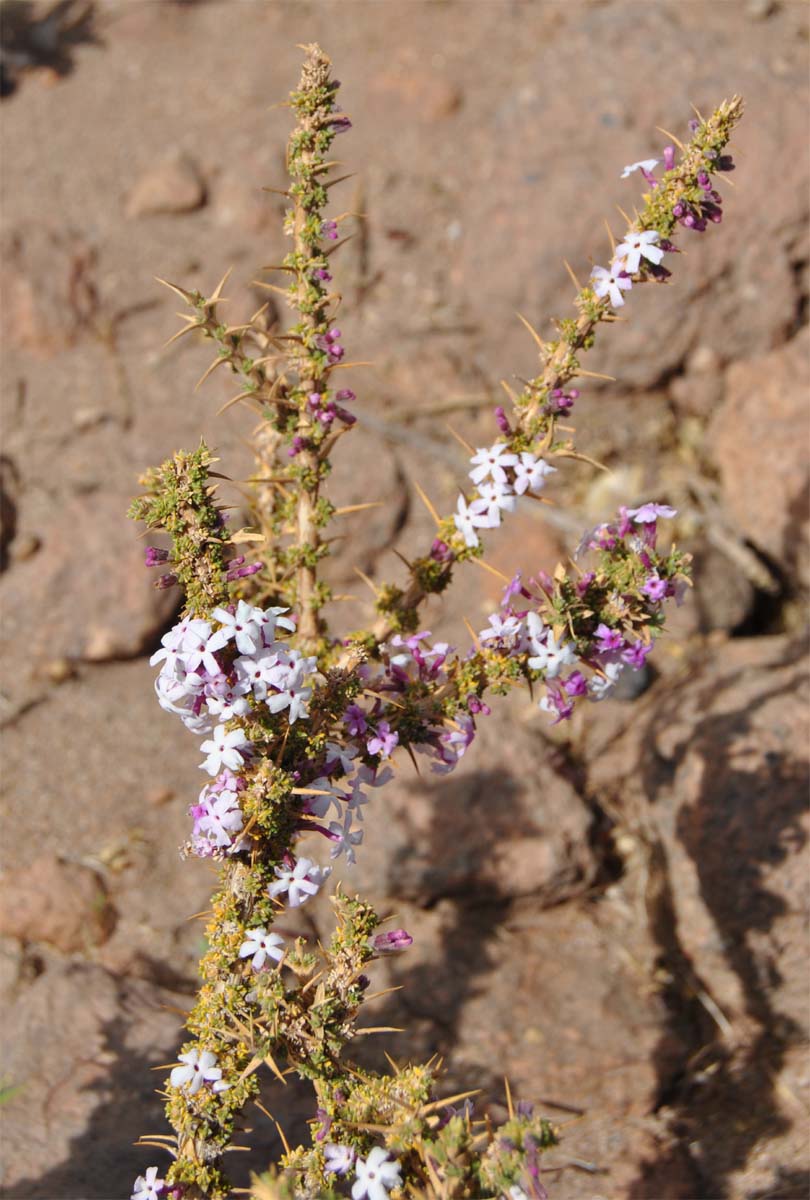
(261, 945)
(611, 283)
(148, 1186)
(638, 245)
(303, 881)
(375, 1175)
(198, 1068)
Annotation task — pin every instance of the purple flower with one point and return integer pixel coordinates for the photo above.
(501, 420)
(655, 587)
(329, 230)
(608, 639)
(355, 720)
(384, 740)
(576, 684)
(154, 555)
(392, 942)
(669, 157)
(636, 654)
(648, 513)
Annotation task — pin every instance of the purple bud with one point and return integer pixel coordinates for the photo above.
(314, 400)
(585, 582)
(165, 581)
(345, 396)
(694, 125)
(501, 420)
(298, 444)
(346, 417)
(323, 275)
(545, 581)
(243, 572)
(704, 181)
(335, 335)
(725, 163)
(525, 1108)
(440, 552)
(669, 157)
(690, 221)
(155, 555)
(392, 942)
(678, 210)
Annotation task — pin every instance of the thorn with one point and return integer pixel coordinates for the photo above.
(533, 332)
(461, 441)
(509, 1103)
(427, 503)
(218, 289)
(472, 634)
(270, 287)
(403, 559)
(367, 581)
(492, 570)
(612, 239)
(281, 1134)
(378, 1029)
(216, 363)
(624, 214)
(698, 113)
(582, 458)
(339, 179)
(412, 757)
(184, 295)
(672, 137)
(391, 1063)
(341, 366)
(181, 333)
(279, 267)
(596, 375)
(570, 271)
(509, 391)
(328, 253)
(350, 508)
(276, 192)
(235, 400)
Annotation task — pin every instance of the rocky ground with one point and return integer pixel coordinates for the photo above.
(614, 914)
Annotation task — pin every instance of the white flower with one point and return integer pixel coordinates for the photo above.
(269, 619)
(305, 880)
(262, 945)
(531, 472)
(494, 498)
(600, 687)
(344, 840)
(223, 750)
(242, 626)
(636, 245)
(293, 694)
(258, 670)
(201, 647)
(223, 818)
(611, 283)
(646, 164)
(467, 518)
(501, 628)
(339, 1159)
(552, 656)
(492, 462)
(199, 1068)
(229, 700)
(148, 1186)
(376, 1176)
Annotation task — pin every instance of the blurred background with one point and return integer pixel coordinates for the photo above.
(611, 913)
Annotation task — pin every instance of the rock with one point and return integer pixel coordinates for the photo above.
(63, 903)
(79, 1048)
(101, 601)
(173, 185)
(758, 439)
(713, 774)
(48, 284)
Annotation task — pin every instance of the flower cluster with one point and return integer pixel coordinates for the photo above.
(500, 477)
(624, 638)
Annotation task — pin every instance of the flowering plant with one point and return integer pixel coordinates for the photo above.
(297, 726)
